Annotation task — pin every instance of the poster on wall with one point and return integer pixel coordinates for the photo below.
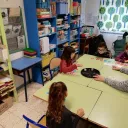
(113, 15)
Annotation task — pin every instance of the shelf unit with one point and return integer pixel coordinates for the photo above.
(32, 29)
(9, 67)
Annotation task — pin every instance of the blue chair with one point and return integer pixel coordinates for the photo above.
(54, 66)
(40, 124)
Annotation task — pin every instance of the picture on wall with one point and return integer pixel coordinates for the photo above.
(113, 15)
(14, 28)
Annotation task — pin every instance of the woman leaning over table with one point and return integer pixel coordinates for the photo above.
(120, 85)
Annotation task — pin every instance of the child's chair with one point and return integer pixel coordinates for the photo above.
(119, 46)
(40, 124)
(54, 66)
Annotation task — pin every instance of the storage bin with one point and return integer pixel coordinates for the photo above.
(38, 5)
(38, 1)
(44, 5)
(47, 58)
(62, 8)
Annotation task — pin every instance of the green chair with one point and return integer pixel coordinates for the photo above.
(119, 46)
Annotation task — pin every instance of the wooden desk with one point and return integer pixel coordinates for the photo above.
(78, 96)
(110, 111)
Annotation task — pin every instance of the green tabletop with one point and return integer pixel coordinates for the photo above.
(88, 62)
(110, 111)
(78, 96)
(108, 72)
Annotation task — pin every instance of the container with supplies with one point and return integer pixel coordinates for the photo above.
(62, 8)
(44, 45)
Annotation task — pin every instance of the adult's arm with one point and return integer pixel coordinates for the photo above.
(124, 70)
(120, 85)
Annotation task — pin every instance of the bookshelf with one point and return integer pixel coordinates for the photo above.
(7, 72)
(61, 16)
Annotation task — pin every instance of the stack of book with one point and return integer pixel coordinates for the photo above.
(43, 13)
(30, 53)
(6, 85)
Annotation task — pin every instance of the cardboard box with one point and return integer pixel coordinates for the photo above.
(5, 104)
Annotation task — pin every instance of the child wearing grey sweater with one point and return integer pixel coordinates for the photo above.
(120, 85)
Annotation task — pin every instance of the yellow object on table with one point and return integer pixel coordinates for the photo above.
(110, 111)
(78, 96)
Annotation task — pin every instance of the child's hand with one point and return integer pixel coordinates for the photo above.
(126, 61)
(79, 65)
(116, 68)
(80, 112)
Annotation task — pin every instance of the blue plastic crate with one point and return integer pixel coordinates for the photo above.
(38, 1)
(44, 5)
(62, 8)
(38, 5)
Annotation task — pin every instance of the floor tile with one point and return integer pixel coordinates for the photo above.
(1, 126)
(34, 109)
(4, 115)
(19, 109)
(21, 124)
(10, 121)
(34, 115)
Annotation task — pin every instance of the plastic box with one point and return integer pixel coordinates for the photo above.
(62, 8)
(38, 5)
(38, 1)
(47, 58)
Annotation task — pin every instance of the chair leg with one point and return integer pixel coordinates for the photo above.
(25, 86)
(50, 74)
(27, 125)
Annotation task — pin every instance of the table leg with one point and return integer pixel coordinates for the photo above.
(25, 86)
(29, 76)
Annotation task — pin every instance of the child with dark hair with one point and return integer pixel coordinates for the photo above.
(102, 51)
(123, 57)
(66, 65)
(58, 116)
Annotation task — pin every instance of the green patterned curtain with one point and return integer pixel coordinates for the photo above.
(113, 15)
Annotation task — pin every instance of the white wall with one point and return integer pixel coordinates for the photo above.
(8, 4)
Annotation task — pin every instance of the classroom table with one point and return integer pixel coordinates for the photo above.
(22, 65)
(110, 111)
(107, 71)
(78, 96)
(87, 61)
(103, 104)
